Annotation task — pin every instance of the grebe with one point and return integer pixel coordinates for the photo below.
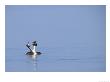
(32, 51)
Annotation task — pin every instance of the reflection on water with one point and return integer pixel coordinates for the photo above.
(33, 59)
(35, 65)
(69, 60)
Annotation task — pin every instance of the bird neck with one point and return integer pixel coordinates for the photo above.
(30, 49)
(34, 49)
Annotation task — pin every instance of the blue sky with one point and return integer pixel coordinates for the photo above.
(55, 25)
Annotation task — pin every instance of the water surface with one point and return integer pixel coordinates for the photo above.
(76, 59)
(72, 38)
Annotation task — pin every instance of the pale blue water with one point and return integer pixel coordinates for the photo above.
(71, 38)
(59, 59)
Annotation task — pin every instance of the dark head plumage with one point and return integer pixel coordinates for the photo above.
(34, 43)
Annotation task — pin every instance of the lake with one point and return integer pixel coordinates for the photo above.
(72, 38)
(59, 59)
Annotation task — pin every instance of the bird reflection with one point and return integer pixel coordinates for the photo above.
(34, 62)
(35, 65)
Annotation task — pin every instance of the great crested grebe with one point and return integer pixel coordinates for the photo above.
(32, 51)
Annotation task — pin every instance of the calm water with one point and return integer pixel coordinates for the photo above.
(71, 38)
(59, 59)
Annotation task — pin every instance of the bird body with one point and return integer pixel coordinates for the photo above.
(33, 51)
